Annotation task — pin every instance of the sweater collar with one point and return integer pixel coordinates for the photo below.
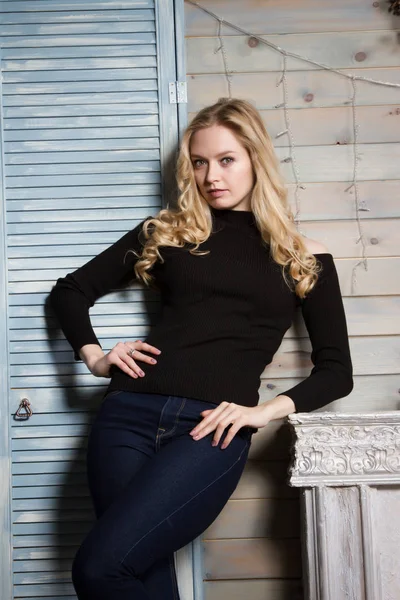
(238, 218)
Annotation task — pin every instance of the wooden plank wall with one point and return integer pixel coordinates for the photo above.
(253, 549)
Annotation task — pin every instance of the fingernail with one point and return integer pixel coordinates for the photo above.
(213, 443)
(223, 446)
(141, 373)
(153, 360)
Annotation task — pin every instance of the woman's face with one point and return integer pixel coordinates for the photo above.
(221, 163)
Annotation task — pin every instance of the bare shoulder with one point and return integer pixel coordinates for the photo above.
(314, 246)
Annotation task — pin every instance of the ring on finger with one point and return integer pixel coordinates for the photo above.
(131, 352)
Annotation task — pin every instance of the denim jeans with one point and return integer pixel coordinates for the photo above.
(154, 490)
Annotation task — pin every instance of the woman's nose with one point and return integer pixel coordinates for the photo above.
(213, 173)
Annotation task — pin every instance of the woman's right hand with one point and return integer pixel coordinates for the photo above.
(119, 356)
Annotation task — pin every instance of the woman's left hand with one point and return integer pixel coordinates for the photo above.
(226, 413)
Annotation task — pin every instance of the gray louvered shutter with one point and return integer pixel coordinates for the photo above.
(87, 124)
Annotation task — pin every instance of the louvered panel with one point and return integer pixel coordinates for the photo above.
(83, 118)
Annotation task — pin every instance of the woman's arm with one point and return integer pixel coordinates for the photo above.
(73, 295)
(332, 375)
(90, 354)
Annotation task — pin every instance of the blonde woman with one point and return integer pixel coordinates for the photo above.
(172, 435)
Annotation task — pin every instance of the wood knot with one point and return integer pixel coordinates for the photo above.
(360, 56)
(253, 42)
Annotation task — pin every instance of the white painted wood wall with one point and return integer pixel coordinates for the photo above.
(252, 549)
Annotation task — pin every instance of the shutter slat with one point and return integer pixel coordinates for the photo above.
(81, 145)
(70, 454)
(79, 122)
(134, 295)
(117, 304)
(143, 34)
(53, 503)
(83, 157)
(58, 493)
(101, 110)
(144, 94)
(22, 483)
(60, 16)
(40, 468)
(73, 5)
(39, 183)
(73, 226)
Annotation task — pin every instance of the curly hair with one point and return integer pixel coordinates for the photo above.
(191, 221)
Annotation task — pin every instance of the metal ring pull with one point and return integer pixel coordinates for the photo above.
(26, 406)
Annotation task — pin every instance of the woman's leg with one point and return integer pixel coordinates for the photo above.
(171, 500)
(113, 459)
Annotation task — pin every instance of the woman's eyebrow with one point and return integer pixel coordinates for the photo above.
(220, 154)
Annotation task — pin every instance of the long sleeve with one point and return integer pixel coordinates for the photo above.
(323, 312)
(73, 295)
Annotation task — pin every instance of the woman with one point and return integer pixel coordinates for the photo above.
(172, 435)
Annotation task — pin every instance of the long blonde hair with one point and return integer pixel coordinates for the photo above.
(191, 221)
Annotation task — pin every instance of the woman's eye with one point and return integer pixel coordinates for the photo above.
(196, 162)
(228, 158)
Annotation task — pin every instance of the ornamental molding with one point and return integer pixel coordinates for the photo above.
(345, 448)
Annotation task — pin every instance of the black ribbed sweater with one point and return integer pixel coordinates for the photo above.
(222, 319)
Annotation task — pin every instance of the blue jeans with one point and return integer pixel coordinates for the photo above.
(154, 490)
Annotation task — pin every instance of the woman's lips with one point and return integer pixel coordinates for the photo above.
(216, 193)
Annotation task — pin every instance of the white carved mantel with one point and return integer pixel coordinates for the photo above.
(349, 468)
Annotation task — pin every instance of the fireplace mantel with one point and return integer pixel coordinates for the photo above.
(349, 468)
